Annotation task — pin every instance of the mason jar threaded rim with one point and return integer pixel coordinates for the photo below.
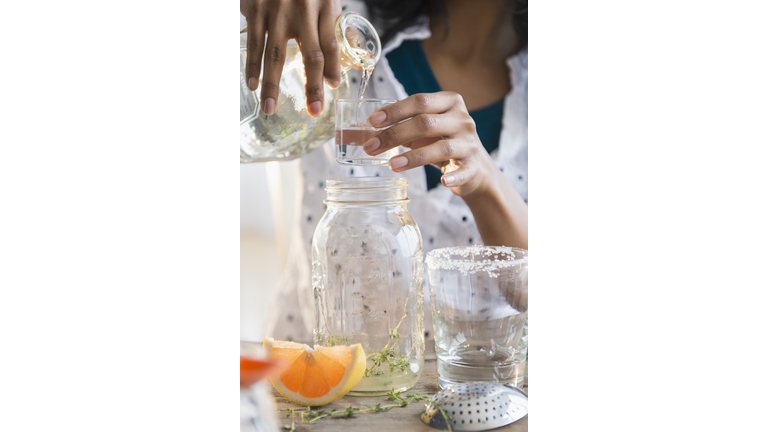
(372, 190)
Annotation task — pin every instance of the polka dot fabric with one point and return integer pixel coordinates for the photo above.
(443, 218)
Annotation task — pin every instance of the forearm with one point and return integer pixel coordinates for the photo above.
(500, 213)
(439, 130)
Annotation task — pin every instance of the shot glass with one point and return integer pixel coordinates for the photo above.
(479, 297)
(353, 130)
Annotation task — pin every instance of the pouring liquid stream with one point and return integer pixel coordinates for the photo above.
(367, 72)
(354, 134)
(361, 95)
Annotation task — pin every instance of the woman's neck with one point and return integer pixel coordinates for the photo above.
(478, 31)
(470, 58)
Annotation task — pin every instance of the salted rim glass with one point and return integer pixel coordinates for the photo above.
(472, 259)
(479, 299)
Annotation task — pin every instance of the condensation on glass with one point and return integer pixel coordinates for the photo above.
(291, 132)
(367, 278)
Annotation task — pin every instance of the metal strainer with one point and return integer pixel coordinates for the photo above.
(476, 406)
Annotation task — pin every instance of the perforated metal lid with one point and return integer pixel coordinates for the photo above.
(476, 407)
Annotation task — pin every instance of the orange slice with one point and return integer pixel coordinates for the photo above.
(315, 377)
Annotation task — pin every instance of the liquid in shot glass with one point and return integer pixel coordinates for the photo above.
(353, 130)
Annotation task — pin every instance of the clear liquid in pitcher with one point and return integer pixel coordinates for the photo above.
(291, 132)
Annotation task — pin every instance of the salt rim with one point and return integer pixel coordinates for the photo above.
(445, 259)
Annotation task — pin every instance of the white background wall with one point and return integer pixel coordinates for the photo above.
(266, 215)
(255, 207)
(266, 208)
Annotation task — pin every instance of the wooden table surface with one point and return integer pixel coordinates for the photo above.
(396, 420)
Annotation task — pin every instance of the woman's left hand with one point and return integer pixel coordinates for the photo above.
(438, 130)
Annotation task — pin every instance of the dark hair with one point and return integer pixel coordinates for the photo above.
(393, 16)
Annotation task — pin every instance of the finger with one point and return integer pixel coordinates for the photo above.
(254, 50)
(314, 62)
(422, 103)
(440, 151)
(421, 142)
(459, 177)
(274, 58)
(332, 70)
(420, 126)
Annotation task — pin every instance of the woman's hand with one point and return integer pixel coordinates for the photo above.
(311, 23)
(439, 131)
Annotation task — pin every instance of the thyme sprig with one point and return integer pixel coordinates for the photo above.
(333, 341)
(411, 397)
(311, 417)
(384, 355)
(387, 354)
(291, 427)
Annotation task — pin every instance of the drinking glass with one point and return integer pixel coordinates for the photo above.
(257, 406)
(479, 308)
(353, 130)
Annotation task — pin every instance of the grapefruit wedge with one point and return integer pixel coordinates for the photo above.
(315, 377)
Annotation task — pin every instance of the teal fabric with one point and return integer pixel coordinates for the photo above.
(409, 63)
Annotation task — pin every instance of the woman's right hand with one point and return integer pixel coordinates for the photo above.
(311, 23)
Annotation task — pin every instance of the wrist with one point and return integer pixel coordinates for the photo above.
(488, 186)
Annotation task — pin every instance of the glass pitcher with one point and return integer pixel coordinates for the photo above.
(291, 132)
(367, 277)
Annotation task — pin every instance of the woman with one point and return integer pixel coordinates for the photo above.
(459, 71)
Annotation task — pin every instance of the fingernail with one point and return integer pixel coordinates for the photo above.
(398, 162)
(372, 145)
(377, 118)
(333, 84)
(449, 180)
(252, 84)
(269, 106)
(315, 108)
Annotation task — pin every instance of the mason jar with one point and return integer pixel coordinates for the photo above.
(367, 277)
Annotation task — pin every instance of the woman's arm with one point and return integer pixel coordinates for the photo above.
(500, 213)
(439, 131)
